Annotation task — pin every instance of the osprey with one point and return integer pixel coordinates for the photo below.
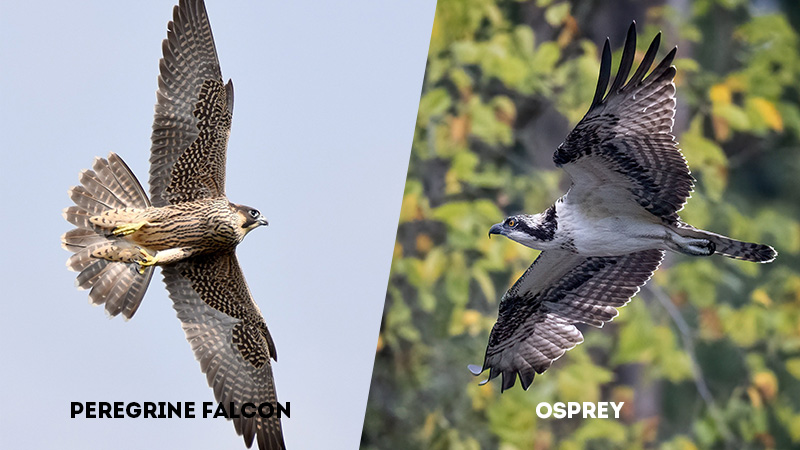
(187, 226)
(606, 236)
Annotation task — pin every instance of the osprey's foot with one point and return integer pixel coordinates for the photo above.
(696, 247)
(128, 228)
(146, 260)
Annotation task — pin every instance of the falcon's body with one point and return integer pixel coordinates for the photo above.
(606, 236)
(187, 226)
(175, 232)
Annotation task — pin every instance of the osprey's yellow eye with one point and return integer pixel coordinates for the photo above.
(511, 223)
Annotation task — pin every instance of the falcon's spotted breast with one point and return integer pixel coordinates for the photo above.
(606, 236)
(187, 226)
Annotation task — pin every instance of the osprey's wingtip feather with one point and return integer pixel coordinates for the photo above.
(475, 369)
(647, 61)
(605, 75)
(627, 60)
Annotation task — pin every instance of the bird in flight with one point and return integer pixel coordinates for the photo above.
(187, 226)
(606, 236)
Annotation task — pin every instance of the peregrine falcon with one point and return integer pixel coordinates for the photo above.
(187, 226)
(606, 236)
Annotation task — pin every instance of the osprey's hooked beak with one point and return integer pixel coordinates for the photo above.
(496, 229)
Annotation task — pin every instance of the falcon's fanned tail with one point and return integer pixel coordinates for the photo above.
(119, 285)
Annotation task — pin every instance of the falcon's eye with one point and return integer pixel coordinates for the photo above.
(254, 213)
(511, 223)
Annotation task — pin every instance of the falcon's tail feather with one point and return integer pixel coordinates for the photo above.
(725, 246)
(119, 285)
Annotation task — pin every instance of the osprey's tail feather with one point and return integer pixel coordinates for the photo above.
(119, 285)
(722, 245)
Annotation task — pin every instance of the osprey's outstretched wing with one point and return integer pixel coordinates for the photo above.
(229, 338)
(193, 113)
(535, 324)
(624, 147)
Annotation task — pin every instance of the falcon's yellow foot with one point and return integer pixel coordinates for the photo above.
(146, 261)
(129, 228)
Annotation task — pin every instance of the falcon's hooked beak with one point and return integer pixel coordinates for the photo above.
(262, 221)
(497, 228)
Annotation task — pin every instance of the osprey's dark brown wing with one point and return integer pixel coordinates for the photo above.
(535, 324)
(624, 147)
(229, 338)
(193, 114)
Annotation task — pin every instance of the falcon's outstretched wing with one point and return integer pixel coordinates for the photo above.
(535, 324)
(193, 114)
(229, 338)
(624, 145)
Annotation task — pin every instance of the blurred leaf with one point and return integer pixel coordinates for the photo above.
(697, 279)
(398, 323)
(793, 367)
(556, 14)
(707, 157)
(767, 384)
(605, 429)
(581, 380)
(767, 112)
(433, 103)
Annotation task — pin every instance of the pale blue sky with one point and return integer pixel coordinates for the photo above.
(326, 98)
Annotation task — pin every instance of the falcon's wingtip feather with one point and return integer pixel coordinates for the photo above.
(229, 93)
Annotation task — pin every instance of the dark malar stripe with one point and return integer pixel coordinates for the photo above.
(545, 231)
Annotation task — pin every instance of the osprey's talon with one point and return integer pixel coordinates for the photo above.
(129, 228)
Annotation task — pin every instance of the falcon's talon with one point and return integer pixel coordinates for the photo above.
(129, 228)
(149, 260)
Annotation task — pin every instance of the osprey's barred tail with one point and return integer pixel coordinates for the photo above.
(118, 285)
(725, 246)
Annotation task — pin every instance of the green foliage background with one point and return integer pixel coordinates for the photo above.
(708, 354)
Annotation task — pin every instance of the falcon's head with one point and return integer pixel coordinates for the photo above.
(529, 230)
(249, 218)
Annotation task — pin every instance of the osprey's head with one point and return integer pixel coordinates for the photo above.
(249, 218)
(529, 230)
